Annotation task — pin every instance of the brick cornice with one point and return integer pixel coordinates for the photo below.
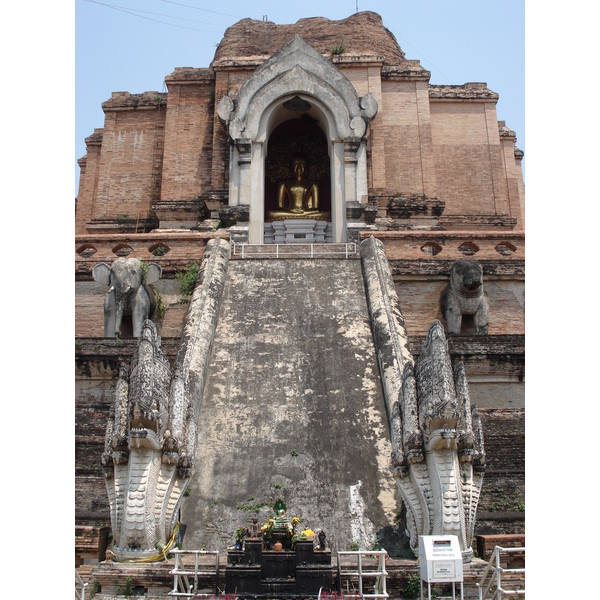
(127, 101)
(471, 91)
(406, 70)
(190, 75)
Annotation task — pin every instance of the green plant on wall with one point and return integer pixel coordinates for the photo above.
(251, 505)
(187, 279)
(144, 268)
(338, 49)
(161, 307)
(128, 590)
(412, 588)
(94, 587)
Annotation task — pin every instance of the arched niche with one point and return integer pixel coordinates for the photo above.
(298, 136)
(297, 73)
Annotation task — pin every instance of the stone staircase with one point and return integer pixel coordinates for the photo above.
(292, 406)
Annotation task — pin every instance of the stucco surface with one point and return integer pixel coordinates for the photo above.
(292, 407)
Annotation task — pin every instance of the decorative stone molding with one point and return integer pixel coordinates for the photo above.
(473, 222)
(179, 214)
(296, 66)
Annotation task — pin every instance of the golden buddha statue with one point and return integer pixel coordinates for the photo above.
(298, 198)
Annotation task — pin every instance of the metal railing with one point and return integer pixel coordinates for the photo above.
(363, 571)
(185, 575)
(80, 586)
(494, 571)
(327, 595)
(332, 250)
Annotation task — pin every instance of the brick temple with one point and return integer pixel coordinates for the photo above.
(430, 171)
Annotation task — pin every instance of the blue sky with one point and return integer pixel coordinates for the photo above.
(131, 45)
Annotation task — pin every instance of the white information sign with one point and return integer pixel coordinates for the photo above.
(440, 559)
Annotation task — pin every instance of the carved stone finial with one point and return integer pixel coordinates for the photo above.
(369, 107)
(225, 108)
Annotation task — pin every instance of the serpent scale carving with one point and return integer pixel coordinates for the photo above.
(151, 431)
(437, 440)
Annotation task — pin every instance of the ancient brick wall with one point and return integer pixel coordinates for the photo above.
(406, 139)
(93, 398)
(514, 176)
(188, 135)
(88, 181)
(131, 157)
(502, 503)
(468, 158)
(360, 33)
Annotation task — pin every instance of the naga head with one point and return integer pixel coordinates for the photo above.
(148, 391)
(438, 406)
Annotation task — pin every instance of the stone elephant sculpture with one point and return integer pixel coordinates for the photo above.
(464, 295)
(128, 293)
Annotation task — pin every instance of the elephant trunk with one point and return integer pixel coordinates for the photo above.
(119, 315)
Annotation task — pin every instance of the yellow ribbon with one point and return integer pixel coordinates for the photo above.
(146, 559)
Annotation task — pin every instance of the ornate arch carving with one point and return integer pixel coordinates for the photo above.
(296, 73)
(297, 68)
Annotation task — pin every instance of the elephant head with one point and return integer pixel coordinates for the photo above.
(128, 293)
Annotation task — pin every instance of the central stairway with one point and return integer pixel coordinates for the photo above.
(292, 407)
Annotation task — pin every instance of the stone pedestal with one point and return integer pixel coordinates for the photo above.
(257, 572)
(298, 231)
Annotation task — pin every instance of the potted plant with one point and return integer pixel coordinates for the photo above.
(267, 533)
(240, 534)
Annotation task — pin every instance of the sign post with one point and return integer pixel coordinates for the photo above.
(440, 561)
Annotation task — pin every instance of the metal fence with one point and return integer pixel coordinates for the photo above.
(359, 571)
(80, 587)
(492, 588)
(333, 250)
(186, 574)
